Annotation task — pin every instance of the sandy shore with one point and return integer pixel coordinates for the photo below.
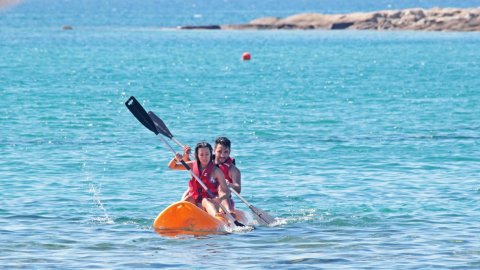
(435, 19)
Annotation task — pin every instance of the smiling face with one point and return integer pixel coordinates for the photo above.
(204, 156)
(222, 153)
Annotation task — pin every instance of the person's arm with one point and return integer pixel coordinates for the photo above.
(186, 153)
(236, 177)
(223, 191)
(175, 164)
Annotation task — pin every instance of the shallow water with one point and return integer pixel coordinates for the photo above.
(365, 145)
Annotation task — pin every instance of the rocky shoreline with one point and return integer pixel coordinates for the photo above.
(415, 19)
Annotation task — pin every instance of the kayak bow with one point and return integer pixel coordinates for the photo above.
(186, 218)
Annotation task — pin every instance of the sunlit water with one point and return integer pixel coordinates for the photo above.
(364, 145)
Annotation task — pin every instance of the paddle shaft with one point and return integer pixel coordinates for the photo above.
(240, 197)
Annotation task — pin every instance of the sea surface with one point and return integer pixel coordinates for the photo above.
(364, 145)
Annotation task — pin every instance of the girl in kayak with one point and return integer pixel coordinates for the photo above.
(204, 167)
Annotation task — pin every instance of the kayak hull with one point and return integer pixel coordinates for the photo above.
(186, 218)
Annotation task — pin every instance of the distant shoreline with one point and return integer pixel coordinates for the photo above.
(415, 19)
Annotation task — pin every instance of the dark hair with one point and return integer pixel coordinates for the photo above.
(203, 145)
(223, 141)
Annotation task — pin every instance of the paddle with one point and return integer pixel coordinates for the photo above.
(261, 216)
(142, 116)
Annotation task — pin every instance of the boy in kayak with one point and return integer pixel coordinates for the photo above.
(227, 164)
(204, 167)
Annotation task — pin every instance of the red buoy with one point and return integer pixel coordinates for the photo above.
(246, 56)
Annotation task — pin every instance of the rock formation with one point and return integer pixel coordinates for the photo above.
(435, 19)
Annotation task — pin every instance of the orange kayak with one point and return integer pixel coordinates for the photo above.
(186, 218)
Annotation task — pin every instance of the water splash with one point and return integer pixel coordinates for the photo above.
(299, 215)
(105, 218)
(238, 229)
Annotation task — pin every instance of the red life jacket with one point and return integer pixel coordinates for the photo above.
(225, 167)
(195, 190)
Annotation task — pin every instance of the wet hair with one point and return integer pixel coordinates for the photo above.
(223, 141)
(203, 145)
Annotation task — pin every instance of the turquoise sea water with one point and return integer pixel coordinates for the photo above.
(365, 145)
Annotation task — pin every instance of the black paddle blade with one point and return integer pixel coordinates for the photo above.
(238, 223)
(139, 112)
(161, 127)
